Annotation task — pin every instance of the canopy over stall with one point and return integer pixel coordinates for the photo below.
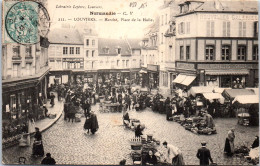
(256, 90)
(200, 90)
(212, 96)
(232, 93)
(246, 99)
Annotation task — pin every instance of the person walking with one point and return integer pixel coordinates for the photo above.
(204, 154)
(48, 160)
(229, 144)
(37, 145)
(52, 100)
(174, 155)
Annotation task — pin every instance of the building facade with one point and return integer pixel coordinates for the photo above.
(24, 81)
(217, 44)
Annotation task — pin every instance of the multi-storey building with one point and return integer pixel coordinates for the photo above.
(217, 43)
(166, 47)
(24, 80)
(119, 59)
(76, 55)
(66, 55)
(149, 57)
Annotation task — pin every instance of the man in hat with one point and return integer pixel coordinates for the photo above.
(204, 154)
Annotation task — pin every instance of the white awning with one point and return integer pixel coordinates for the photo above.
(179, 78)
(200, 89)
(211, 96)
(142, 71)
(188, 80)
(246, 99)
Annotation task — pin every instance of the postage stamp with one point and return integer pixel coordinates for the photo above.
(26, 21)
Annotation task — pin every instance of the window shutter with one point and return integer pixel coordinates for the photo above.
(244, 29)
(208, 28)
(228, 29)
(224, 28)
(212, 28)
(240, 29)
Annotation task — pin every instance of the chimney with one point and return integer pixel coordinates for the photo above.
(217, 4)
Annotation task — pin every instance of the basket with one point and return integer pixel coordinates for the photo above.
(136, 147)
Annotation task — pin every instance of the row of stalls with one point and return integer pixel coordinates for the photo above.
(227, 102)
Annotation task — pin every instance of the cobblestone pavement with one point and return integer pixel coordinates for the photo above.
(70, 144)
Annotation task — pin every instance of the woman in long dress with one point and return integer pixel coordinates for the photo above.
(37, 145)
(229, 144)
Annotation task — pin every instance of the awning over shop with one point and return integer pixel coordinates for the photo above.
(179, 78)
(232, 93)
(188, 80)
(219, 90)
(227, 72)
(212, 96)
(246, 99)
(200, 90)
(256, 90)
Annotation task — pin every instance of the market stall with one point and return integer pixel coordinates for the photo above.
(214, 96)
(200, 90)
(247, 107)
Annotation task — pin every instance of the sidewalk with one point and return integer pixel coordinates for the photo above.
(56, 109)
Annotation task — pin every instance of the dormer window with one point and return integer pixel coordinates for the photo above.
(106, 50)
(118, 50)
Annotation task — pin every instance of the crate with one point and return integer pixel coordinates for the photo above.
(136, 147)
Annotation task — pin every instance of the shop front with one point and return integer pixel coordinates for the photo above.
(21, 99)
(153, 76)
(60, 77)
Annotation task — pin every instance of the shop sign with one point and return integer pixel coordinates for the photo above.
(229, 17)
(185, 65)
(227, 66)
(72, 59)
(152, 67)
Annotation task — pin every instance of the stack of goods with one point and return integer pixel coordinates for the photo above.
(196, 125)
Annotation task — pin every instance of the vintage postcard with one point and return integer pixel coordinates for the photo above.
(130, 82)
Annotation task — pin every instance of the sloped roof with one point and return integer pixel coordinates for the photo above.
(65, 36)
(134, 43)
(112, 45)
(231, 6)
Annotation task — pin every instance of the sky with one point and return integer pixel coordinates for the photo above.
(131, 29)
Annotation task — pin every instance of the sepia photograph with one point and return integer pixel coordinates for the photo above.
(130, 82)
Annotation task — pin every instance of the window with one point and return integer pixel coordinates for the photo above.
(87, 42)
(117, 62)
(28, 51)
(256, 29)
(71, 50)
(127, 63)
(119, 50)
(93, 53)
(188, 28)
(209, 53)
(241, 53)
(16, 51)
(16, 69)
(210, 28)
(87, 53)
(181, 28)
(28, 69)
(123, 63)
(181, 53)
(77, 50)
(93, 42)
(242, 29)
(255, 52)
(187, 52)
(226, 28)
(65, 50)
(93, 65)
(225, 53)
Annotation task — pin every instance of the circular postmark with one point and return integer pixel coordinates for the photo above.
(26, 22)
